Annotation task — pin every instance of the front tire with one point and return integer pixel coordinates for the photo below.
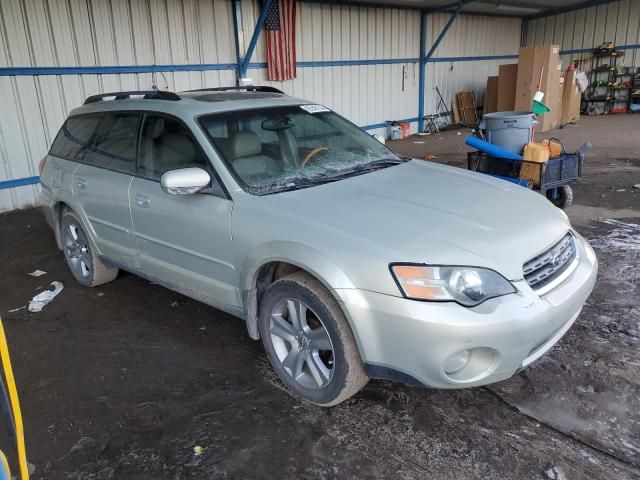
(85, 266)
(309, 342)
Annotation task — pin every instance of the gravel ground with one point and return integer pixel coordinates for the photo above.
(130, 380)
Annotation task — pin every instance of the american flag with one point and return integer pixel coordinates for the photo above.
(280, 29)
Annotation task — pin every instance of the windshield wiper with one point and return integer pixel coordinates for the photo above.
(327, 178)
(384, 162)
(295, 185)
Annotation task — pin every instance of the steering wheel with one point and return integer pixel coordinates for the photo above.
(312, 153)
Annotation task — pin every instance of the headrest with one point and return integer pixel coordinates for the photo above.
(157, 128)
(180, 146)
(244, 144)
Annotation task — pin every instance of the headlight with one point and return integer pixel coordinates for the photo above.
(468, 286)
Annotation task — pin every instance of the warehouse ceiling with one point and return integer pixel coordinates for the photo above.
(515, 8)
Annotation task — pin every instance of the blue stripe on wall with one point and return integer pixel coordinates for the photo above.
(589, 50)
(386, 124)
(124, 69)
(347, 63)
(472, 59)
(20, 182)
(201, 67)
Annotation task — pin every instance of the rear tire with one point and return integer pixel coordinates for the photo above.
(84, 264)
(309, 342)
(564, 197)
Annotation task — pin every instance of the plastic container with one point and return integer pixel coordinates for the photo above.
(406, 127)
(554, 146)
(396, 132)
(509, 130)
(536, 152)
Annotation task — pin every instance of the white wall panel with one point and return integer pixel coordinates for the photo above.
(469, 36)
(90, 33)
(367, 94)
(587, 28)
(117, 33)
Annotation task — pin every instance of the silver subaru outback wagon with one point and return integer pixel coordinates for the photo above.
(347, 260)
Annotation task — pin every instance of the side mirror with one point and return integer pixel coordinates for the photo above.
(184, 181)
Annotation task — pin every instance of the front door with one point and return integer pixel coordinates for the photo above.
(183, 240)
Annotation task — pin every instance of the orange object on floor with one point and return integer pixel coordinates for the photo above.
(405, 126)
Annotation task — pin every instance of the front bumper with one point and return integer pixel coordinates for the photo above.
(503, 335)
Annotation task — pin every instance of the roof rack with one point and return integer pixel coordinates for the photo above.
(248, 88)
(147, 94)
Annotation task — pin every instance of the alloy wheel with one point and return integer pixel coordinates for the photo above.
(76, 250)
(302, 343)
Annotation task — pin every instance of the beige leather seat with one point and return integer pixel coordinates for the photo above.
(167, 149)
(245, 152)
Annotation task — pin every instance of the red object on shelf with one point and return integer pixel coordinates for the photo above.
(618, 110)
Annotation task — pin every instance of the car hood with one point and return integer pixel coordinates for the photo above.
(422, 212)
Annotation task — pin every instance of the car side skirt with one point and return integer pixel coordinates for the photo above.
(230, 309)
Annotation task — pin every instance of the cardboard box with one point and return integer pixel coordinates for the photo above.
(491, 96)
(507, 77)
(532, 61)
(571, 97)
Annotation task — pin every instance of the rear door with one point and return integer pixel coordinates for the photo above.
(184, 240)
(101, 184)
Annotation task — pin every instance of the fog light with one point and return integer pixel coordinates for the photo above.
(457, 362)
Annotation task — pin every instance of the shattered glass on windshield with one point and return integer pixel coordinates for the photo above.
(286, 148)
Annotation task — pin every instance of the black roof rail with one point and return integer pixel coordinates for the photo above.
(147, 94)
(248, 88)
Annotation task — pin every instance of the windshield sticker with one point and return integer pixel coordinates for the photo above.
(314, 108)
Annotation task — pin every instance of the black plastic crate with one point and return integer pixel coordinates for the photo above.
(481, 162)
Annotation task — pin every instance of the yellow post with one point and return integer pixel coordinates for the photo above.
(15, 404)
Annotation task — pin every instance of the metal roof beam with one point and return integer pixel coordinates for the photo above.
(454, 6)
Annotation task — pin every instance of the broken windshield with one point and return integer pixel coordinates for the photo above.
(283, 148)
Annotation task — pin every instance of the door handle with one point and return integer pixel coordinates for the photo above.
(142, 201)
(81, 183)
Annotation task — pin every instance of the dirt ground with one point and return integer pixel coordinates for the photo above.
(130, 380)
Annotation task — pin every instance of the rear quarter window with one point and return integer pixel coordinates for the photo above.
(115, 142)
(75, 136)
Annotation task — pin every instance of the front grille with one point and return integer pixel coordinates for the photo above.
(550, 264)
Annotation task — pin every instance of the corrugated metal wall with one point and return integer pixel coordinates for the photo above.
(369, 93)
(472, 50)
(579, 31)
(95, 33)
(363, 62)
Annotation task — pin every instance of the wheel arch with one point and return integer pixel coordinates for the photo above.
(64, 204)
(285, 258)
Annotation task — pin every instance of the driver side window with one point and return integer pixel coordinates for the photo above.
(167, 145)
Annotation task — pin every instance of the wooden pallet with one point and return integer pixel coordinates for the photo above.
(467, 111)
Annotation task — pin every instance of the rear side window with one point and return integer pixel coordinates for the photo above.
(167, 144)
(115, 144)
(75, 137)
